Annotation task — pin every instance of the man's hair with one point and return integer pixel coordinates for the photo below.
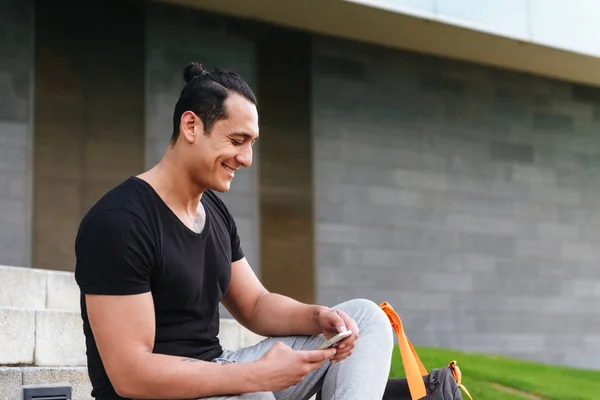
(205, 93)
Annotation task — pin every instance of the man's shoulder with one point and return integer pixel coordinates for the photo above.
(116, 243)
(120, 207)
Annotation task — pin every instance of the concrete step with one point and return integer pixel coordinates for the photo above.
(12, 380)
(38, 289)
(55, 338)
(42, 341)
(41, 337)
(234, 336)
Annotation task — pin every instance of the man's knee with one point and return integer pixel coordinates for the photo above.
(365, 311)
(359, 304)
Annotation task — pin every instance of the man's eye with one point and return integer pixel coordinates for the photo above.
(237, 142)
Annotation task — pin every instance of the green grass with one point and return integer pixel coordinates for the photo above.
(480, 372)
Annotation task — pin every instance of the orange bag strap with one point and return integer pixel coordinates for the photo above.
(458, 377)
(413, 367)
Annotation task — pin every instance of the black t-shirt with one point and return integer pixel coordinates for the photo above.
(130, 242)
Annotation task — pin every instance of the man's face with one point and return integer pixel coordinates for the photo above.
(213, 159)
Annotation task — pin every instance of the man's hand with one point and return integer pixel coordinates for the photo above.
(333, 322)
(282, 367)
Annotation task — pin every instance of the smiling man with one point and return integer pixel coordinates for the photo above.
(159, 252)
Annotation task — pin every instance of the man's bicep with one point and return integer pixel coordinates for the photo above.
(115, 254)
(123, 328)
(244, 290)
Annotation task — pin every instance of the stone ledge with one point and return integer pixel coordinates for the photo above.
(59, 339)
(76, 377)
(49, 338)
(38, 289)
(23, 287)
(13, 379)
(62, 292)
(234, 336)
(42, 337)
(17, 330)
(230, 334)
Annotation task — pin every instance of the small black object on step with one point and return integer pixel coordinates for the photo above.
(46, 392)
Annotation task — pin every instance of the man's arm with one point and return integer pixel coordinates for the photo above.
(124, 329)
(266, 313)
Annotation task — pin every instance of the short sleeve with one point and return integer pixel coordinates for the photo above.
(236, 247)
(114, 254)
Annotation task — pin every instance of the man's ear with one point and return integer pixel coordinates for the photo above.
(191, 126)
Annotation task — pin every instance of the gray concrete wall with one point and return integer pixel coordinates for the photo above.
(175, 37)
(16, 69)
(89, 120)
(468, 197)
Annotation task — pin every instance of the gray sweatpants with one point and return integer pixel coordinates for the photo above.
(363, 375)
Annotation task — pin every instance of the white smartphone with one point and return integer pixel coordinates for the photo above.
(329, 343)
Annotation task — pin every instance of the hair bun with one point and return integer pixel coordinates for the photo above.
(193, 70)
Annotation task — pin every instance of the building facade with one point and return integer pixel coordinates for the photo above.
(448, 167)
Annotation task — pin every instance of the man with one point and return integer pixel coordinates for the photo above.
(159, 252)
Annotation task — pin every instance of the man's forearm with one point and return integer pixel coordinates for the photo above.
(159, 376)
(277, 315)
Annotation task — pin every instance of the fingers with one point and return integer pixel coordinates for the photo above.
(319, 356)
(342, 355)
(346, 346)
(349, 323)
(344, 350)
(347, 342)
(336, 321)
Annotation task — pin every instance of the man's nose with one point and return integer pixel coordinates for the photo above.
(244, 157)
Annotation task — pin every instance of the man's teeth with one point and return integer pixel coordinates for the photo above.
(229, 169)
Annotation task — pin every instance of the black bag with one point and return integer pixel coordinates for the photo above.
(439, 384)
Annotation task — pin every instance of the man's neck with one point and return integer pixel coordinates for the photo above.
(174, 187)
